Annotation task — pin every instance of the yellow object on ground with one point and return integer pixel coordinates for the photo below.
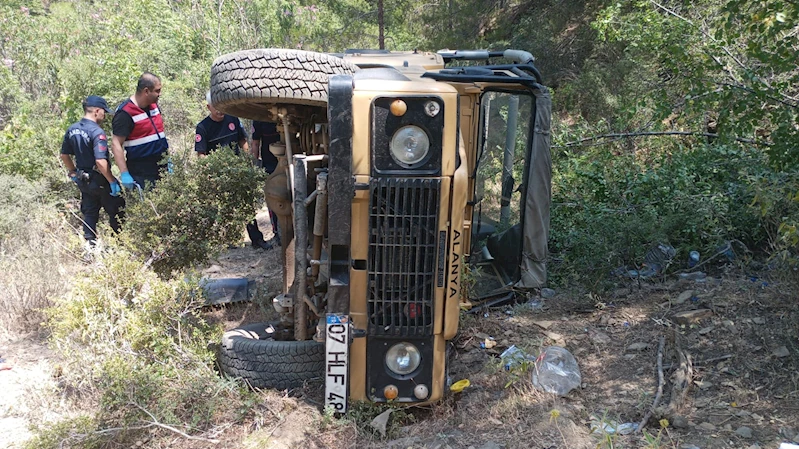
(458, 386)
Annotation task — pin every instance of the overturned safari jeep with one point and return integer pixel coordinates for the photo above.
(410, 187)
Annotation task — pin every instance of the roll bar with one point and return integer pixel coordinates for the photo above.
(517, 56)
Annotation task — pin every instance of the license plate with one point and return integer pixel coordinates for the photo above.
(337, 338)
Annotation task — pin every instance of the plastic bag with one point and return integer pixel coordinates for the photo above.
(513, 357)
(556, 371)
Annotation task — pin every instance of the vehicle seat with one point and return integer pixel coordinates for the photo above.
(483, 231)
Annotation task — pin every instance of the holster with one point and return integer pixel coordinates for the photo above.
(83, 175)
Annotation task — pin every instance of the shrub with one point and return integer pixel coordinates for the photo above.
(610, 209)
(137, 344)
(203, 205)
(776, 199)
(134, 341)
(34, 257)
(29, 144)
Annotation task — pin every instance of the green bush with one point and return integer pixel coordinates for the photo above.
(137, 344)
(777, 201)
(608, 210)
(193, 212)
(29, 144)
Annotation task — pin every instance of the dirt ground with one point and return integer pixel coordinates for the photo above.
(744, 389)
(743, 393)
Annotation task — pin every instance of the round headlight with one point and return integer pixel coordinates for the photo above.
(403, 358)
(409, 145)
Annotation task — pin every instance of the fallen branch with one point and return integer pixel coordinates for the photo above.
(616, 136)
(156, 423)
(701, 363)
(682, 379)
(659, 394)
(79, 437)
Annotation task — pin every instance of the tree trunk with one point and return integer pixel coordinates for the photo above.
(380, 24)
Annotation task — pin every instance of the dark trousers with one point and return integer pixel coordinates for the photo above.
(146, 171)
(255, 234)
(96, 194)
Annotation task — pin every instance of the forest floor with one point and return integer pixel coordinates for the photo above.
(743, 392)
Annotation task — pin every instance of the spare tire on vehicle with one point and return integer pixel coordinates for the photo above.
(245, 82)
(250, 353)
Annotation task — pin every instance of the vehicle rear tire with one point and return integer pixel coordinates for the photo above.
(244, 83)
(249, 353)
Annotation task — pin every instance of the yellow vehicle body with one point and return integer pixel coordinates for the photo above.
(397, 239)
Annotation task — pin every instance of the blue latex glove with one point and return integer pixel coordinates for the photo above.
(74, 178)
(115, 188)
(127, 180)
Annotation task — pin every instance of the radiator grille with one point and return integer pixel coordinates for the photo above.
(403, 225)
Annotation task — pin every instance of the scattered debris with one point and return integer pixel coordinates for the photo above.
(459, 386)
(693, 258)
(598, 336)
(556, 371)
(695, 276)
(544, 324)
(702, 384)
(679, 422)
(759, 320)
(706, 330)
(535, 305)
(692, 316)
(655, 261)
(780, 352)
(226, 290)
(380, 422)
(513, 357)
(600, 427)
(684, 296)
(744, 432)
(548, 293)
(638, 346)
(788, 433)
(554, 336)
(707, 427)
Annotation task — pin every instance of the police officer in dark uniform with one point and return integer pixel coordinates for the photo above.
(222, 130)
(263, 135)
(91, 171)
(219, 130)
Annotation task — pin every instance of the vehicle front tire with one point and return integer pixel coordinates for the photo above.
(250, 353)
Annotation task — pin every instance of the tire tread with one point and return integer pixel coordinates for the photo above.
(246, 78)
(266, 363)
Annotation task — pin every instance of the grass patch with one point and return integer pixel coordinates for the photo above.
(138, 345)
(35, 257)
